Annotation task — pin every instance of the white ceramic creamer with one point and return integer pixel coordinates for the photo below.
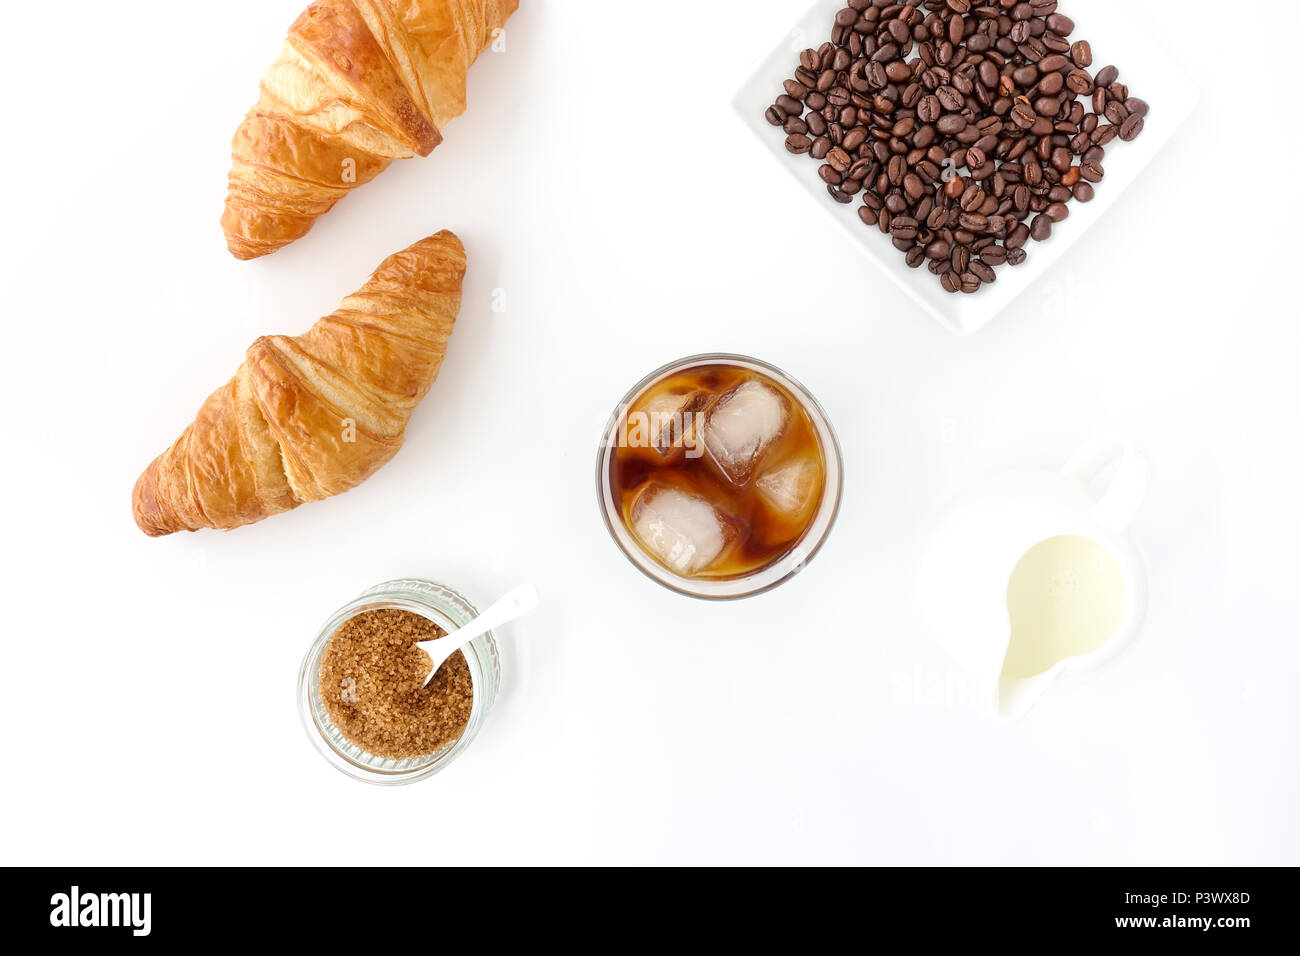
(1032, 576)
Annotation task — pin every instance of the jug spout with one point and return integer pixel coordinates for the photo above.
(1014, 696)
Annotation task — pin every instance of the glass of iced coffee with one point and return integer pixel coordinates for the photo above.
(719, 476)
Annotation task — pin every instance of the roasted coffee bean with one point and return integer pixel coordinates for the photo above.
(994, 255)
(960, 258)
(1107, 76)
(1081, 53)
(838, 194)
(1132, 128)
(1057, 212)
(829, 175)
(951, 124)
(1022, 114)
(1137, 107)
(820, 147)
(798, 143)
(1060, 24)
(789, 104)
(1084, 191)
(1041, 228)
(838, 160)
(1092, 171)
(1016, 257)
(1102, 135)
(982, 271)
(904, 227)
(775, 115)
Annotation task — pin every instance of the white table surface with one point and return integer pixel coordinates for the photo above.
(602, 182)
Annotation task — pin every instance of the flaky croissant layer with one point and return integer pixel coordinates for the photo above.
(312, 415)
(357, 84)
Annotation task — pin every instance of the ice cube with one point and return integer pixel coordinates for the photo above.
(670, 420)
(679, 528)
(792, 488)
(741, 426)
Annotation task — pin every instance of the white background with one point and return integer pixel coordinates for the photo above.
(600, 180)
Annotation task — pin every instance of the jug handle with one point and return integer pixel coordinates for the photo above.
(1121, 500)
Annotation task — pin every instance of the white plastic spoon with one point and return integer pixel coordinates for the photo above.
(515, 604)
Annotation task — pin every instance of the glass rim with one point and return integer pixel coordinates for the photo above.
(770, 576)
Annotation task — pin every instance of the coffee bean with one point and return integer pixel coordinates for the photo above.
(1022, 114)
(994, 255)
(904, 227)
(789, 104)
(1051, 84)
(1102, 135)
(1057, 212)
(1132, 128)
(838, 194)
(1107, 76)
(775, 115)
(1081, 53)
(838, 160)
(1083, 191)
(830, 175)
(1092, 171)
(951, 124)
(1060, 24)
(1016, 257)
(983, 271)
(820, 148)
(1041, 228)
(798, 143)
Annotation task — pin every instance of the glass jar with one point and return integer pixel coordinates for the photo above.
(447, 608)
(764, 578)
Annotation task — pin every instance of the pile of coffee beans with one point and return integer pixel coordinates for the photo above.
(964, 126)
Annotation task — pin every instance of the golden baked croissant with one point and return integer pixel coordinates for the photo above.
(358, 84)
(310, 416)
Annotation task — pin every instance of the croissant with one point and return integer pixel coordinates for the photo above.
(358, 84)
(313, 415)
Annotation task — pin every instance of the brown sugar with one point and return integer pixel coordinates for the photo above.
(371, 682)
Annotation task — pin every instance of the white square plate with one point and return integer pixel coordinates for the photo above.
(1115, 39)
